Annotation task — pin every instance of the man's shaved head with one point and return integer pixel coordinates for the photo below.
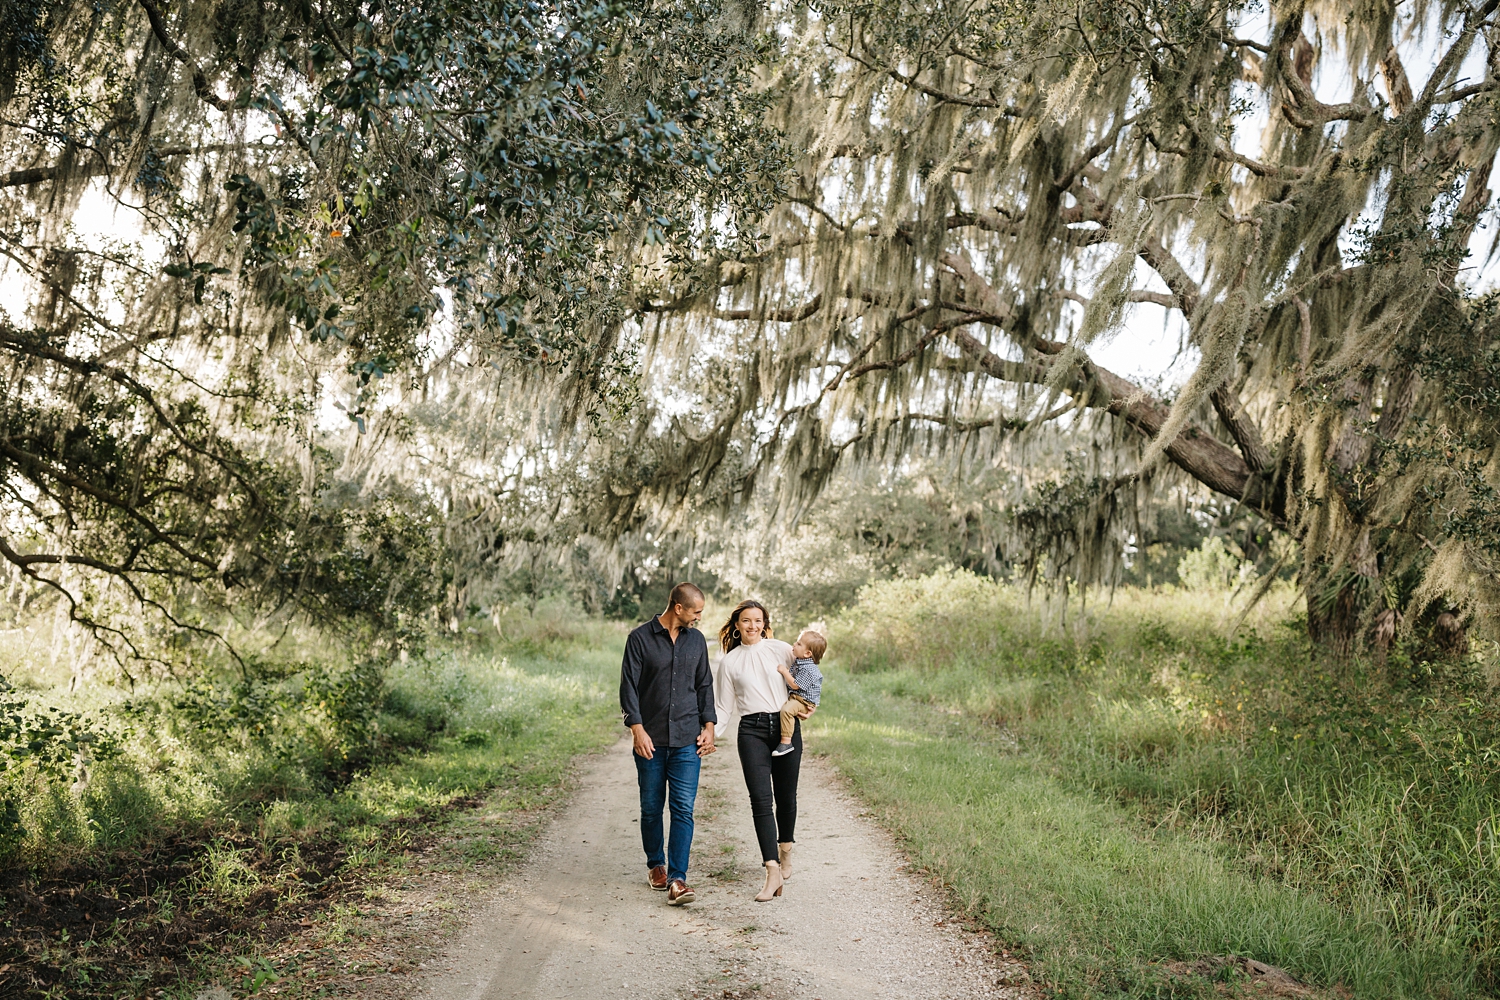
(685, 594)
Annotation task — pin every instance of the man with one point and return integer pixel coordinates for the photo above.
(667, 697)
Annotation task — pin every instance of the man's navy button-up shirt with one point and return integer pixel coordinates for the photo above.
(665, 686)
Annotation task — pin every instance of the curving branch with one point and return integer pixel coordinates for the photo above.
(1246, 435)
(1227, 155)
(791, 314)
(1194, 451)
(1183, 288)
(176, 51)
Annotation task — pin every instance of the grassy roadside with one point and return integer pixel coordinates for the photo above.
(1151, 796)
(1071, 881)
(246, 856)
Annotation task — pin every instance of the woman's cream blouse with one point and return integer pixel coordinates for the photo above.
(747, 681)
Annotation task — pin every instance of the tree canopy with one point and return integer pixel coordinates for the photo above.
(985, 191)
(228, 219)
(396, 304)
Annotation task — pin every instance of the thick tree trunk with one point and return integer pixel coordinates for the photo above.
(1333, 623)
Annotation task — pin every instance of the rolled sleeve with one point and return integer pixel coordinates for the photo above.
(630, 681)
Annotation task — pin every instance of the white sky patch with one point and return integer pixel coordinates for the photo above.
(1149, 348)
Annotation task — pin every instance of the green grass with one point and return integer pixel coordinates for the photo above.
(1132, 789)
(310, 745)
(280, 795)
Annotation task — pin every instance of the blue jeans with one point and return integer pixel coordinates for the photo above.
(669, 777)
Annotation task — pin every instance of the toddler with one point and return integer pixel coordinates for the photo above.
(806, 683)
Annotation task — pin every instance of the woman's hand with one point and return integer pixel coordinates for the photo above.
(807, 711)
(706, 740)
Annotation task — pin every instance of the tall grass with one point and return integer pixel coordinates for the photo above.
(1171, 794)
(208, 816)
(308, 744)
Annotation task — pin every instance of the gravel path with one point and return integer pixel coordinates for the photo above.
(578, 921)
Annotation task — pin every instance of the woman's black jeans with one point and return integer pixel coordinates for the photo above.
(772, 781)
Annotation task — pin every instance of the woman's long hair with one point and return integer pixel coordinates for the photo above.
(729, 635)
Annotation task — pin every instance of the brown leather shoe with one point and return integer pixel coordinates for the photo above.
(679, 893)
(656, 878)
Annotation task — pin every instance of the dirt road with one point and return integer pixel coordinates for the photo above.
(578, 921)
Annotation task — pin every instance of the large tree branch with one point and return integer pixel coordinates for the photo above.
(1185, 293)
(37, 175)
(1227, 155)
(1178, 281)
(1194, 451)
(1246, 435)
(789, 314)
(200, 80)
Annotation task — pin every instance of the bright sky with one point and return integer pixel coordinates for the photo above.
(1148, 349)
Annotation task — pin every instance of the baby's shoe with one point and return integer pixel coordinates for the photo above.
(783, 750)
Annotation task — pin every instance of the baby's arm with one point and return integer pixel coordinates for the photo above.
(786, 675)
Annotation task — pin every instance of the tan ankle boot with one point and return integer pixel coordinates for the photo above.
(772, 887)
(784, 852)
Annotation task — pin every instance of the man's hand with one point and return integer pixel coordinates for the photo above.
(643, 745)
(706, 740)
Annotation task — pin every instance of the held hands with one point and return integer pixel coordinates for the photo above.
(706, 740)
(643, 745)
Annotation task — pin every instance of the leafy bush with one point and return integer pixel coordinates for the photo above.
(264, 744)
(1211, 566)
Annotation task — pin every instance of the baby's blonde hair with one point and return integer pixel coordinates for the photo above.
(815, 643)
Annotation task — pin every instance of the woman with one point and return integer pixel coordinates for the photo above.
(750, 686)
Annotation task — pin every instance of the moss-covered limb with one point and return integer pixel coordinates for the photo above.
(1098, 168)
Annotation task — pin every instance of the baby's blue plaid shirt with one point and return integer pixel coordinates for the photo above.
(809, 679)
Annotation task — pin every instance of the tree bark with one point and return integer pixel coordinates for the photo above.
(1195, 451)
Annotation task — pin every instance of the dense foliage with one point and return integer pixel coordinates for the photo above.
(987, 190)
(226, 223)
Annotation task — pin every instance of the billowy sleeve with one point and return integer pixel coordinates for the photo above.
(724, 696)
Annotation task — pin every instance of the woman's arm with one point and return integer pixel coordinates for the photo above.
(724, 696)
